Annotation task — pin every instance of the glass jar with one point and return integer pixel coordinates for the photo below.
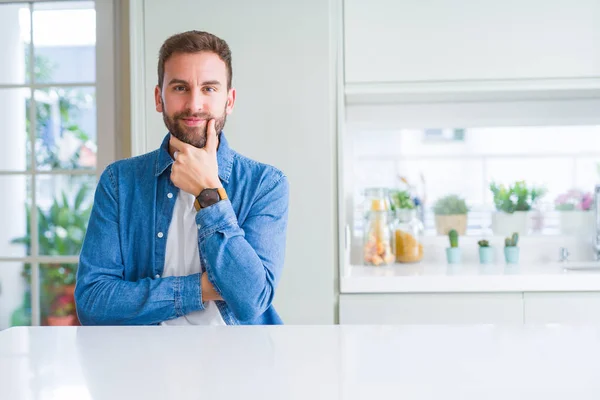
(408, 232)
(378, 234)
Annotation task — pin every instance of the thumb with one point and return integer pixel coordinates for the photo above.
(211, 137)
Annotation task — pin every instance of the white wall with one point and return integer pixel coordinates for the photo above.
(284, 73)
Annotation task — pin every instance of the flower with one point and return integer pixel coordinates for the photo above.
(574, 199)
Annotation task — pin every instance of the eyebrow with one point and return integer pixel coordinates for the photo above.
(182, 82)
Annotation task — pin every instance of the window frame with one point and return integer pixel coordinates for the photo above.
(106, 110)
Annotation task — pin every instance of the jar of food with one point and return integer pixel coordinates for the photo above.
(378, 234)
(408, 231)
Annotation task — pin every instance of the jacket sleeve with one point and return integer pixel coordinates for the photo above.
(244, 263)
(102, 295)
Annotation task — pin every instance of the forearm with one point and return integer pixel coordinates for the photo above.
(244, 262)
(238, 275)
(245, 280)
(110, 301)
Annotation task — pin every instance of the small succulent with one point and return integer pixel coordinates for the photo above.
(483, 243)
(453, 235)
(512, 241)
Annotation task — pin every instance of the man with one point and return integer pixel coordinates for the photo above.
(194, 232)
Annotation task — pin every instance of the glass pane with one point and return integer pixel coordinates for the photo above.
(588, 173)
(15, 239)
(14, 123)
(15, 297)
(442, 177)
(66, 128)
(65, 203)
(64, 37)
(14, 42)
(57, 286)
(544, 140)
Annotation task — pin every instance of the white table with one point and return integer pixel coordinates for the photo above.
(300, 362)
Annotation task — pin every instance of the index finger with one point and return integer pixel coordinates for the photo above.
(177, 144)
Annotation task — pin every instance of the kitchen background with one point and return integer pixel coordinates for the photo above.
(446, 176)
(439, 97)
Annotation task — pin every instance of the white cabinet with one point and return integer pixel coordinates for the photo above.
(454, 308)
(455, 40)
(562, 308)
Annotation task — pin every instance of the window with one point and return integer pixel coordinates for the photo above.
(557, 159)
(49, 160)
(438, 148)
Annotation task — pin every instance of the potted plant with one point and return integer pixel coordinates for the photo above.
(513, 204)
(61, 232)
(575, 214)
(451, 213)
(486, 253)
(453, 252)
(63, 312)
(511, 249)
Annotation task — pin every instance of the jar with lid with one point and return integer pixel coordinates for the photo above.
(378, 233)
(408, 232)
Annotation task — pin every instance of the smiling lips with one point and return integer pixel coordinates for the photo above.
(193, 121)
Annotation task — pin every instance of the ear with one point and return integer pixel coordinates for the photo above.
(158, 99)
(230, 101)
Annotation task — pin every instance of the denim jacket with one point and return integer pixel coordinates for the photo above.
(241, 242)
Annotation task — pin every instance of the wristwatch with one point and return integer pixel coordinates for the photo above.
(208, 197)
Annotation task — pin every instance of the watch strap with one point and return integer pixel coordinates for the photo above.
(222, 196)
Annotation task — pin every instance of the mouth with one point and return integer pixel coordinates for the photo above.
(193, 121)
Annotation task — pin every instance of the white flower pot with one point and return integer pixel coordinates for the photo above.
(505, 224)
(576, 223)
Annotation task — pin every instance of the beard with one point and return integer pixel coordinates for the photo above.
(194, 135)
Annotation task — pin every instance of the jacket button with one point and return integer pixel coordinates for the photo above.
(160, 235)
(170, 195)
(156, 276)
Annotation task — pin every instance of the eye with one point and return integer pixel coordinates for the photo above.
(210, 89)
(179, 88)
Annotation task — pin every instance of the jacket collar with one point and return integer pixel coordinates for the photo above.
(224, 157)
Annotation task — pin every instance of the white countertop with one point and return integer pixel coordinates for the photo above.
(441, 277)
(300, 362)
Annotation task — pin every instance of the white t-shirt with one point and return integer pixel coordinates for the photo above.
(182, 258)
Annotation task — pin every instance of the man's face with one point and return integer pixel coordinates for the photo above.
(194, 92)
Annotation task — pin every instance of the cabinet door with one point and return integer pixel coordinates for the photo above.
(562, 308)
(450, 40)
(455, 308)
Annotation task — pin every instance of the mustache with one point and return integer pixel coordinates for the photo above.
(189, 114)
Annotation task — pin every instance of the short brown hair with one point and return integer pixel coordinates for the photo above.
(194, 42)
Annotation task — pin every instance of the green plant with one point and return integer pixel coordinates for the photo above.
(516, 197)
(63, 306)
(61, 232)
(450, 205)
(512, 241)
(483, 243)
(401, 200)
(453, 236)
(61, 227)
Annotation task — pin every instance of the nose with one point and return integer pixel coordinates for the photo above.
(196, 100)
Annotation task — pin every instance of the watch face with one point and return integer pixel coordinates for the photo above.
(208, 197)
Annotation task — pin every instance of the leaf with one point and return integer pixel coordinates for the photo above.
(81, 194)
